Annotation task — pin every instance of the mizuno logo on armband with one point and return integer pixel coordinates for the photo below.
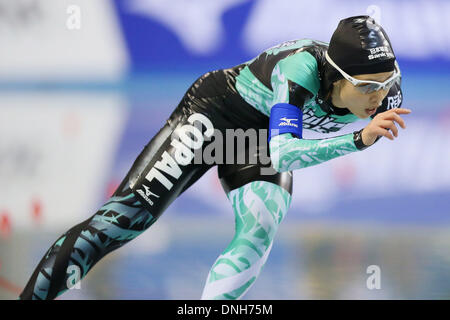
(287, 122)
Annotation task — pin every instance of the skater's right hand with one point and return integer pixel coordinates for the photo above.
(381, 122)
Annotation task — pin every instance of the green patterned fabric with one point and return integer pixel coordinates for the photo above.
(300, 68)
(259, 208)
(253, 91)
(288, 153)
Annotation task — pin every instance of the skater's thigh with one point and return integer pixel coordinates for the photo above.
(166, 166)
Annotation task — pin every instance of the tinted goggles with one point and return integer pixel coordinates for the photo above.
(368, 86)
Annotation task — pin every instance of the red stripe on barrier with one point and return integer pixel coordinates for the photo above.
(111, 188)
(36, 209)
(5, 224)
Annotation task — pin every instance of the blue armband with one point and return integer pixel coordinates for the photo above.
(285, 118)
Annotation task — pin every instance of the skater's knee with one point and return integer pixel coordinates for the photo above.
(124, 213)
